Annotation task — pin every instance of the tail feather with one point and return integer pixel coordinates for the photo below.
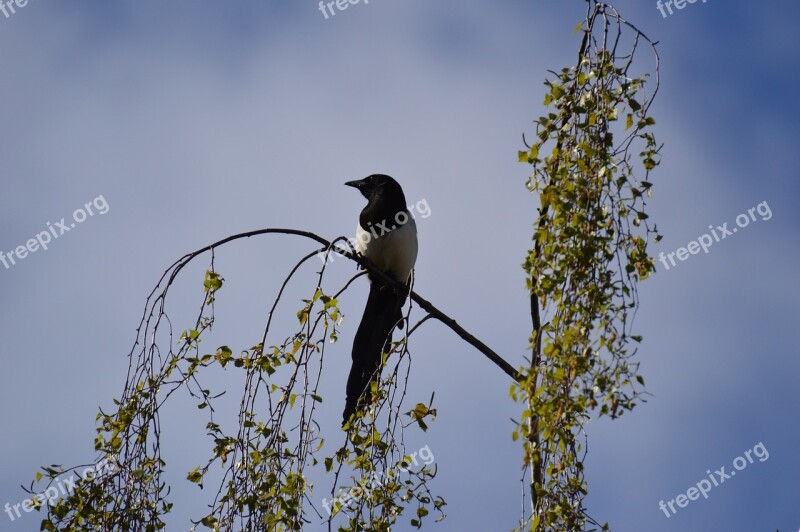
(381, 314)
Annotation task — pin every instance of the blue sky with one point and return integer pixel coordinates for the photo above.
(196, 120)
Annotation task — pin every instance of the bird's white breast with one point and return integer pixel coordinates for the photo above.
(394, 253)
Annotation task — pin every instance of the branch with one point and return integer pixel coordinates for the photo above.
(466, 336)
(375, 273)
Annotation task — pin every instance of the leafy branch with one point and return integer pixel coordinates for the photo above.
(589, 253)
(265, 460)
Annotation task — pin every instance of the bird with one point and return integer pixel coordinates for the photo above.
(386, 235)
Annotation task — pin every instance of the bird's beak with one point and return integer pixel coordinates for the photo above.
(355, 184)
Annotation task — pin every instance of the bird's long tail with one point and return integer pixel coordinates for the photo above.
(381, 314)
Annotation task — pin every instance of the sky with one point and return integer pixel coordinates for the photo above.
(180, 123)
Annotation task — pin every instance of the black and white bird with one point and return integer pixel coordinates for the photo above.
(387, 237)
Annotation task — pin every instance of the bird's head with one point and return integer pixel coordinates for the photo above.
(378, 186)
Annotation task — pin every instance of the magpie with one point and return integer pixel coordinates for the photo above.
(386, 236)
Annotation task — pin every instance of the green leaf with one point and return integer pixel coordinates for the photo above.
(213, 281)
(195, 475)
(302, 315)
(223, 355)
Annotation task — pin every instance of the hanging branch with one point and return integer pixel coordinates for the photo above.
(589, 253)
(263, 463)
